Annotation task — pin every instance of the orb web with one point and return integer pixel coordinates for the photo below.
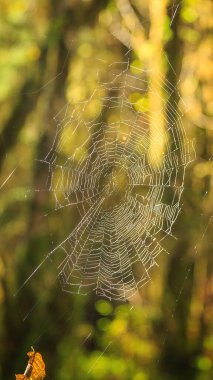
(126, 205)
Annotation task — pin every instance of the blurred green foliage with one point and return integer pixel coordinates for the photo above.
(50, 54)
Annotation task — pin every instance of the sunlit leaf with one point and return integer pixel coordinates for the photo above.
(35, 369)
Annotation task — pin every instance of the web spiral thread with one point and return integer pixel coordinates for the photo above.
(127, 206)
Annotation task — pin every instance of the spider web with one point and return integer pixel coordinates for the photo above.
(127, 206)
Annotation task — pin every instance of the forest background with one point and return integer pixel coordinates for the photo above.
(49, 56)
